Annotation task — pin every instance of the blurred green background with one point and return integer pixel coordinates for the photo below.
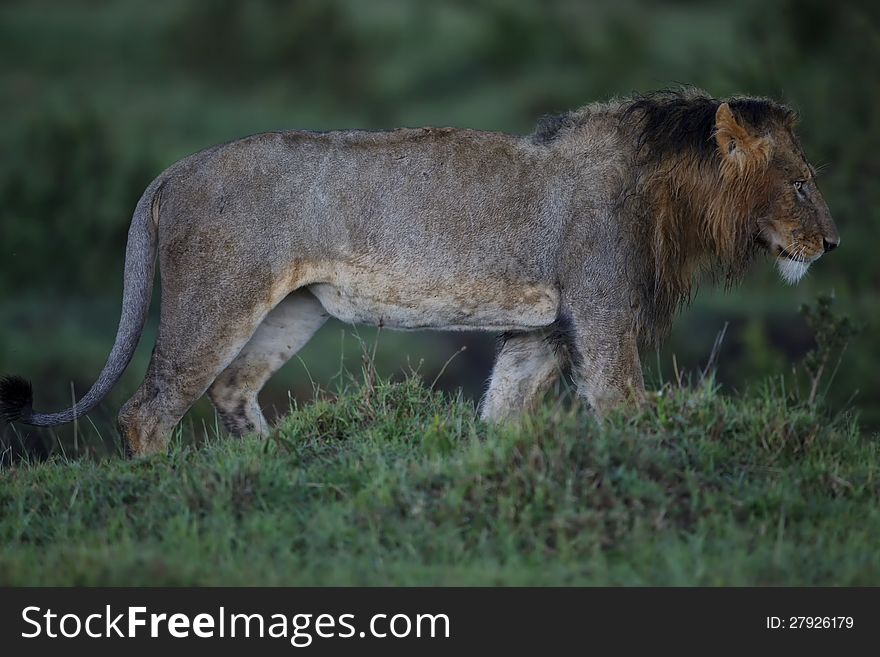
(98, 96)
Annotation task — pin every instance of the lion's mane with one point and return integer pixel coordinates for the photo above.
(688, 212)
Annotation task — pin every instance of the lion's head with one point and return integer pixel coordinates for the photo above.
(761, 156)
(714, 183)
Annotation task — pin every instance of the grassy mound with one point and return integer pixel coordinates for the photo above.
(391, 483)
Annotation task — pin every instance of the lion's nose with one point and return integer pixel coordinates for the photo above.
(830, 246)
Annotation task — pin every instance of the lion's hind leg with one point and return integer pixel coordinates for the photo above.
(283, 332)
(194, 345)
(526, 366)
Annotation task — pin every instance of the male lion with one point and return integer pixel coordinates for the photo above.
(577, 242)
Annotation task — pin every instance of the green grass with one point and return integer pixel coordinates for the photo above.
(393, 483)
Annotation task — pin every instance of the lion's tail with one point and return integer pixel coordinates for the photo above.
(16, 394)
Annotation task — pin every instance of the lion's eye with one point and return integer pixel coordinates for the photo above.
(798, 184)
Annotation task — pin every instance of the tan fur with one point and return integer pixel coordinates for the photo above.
(579, 242)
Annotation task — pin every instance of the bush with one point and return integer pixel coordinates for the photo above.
(70, 192)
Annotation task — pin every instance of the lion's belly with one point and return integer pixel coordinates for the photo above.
(394, 301)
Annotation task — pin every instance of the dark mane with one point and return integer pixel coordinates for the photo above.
(681, 121)
(687, 218)
(683, 214)
(550, 125)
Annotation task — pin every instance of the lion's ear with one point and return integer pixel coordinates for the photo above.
(739, 149)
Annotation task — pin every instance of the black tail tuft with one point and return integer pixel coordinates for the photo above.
(16, 398)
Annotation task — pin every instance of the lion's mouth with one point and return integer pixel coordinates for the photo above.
(795, 254)
(783, 253)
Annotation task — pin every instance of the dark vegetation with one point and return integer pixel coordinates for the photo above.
(392, 482)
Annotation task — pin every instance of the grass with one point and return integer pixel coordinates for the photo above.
(394, 483)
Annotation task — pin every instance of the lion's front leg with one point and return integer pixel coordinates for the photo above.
(606, 366)
(526, 366)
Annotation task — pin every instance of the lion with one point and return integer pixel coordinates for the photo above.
(578, 243)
